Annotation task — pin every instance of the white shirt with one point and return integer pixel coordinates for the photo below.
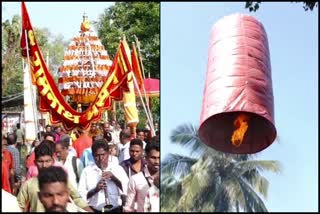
(116, 135)
(113, 159)
(9, 202)
(72, 151)
(92, 174)
(124, 151)
(71, 175)
(137, 190)
(152, 200)
(144, 145)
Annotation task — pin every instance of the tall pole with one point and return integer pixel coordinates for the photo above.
(30, 124)
(148, 116)
(144, 90)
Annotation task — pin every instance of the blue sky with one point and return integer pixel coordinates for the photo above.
(59, 17)
(293, 44)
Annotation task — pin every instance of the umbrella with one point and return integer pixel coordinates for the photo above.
(152, 87)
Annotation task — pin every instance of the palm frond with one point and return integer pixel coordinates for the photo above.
(171, 192)
(257, 181)
(187, 135)
(194, 185)
(260, 165)
(252, 199)
(178, 165)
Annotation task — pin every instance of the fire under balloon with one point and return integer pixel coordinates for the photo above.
(237, 109)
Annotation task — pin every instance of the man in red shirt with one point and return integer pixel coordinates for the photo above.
(7, 167)
(83, 142)
(5, 177)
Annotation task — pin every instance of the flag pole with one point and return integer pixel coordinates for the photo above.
(144, 107)
(30, 80)
(144, 90)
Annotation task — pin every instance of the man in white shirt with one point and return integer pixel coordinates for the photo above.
(140, 183)
(141, 136)
(116, 133)
(124, 145)
(73, 164)
(103, 179)
(152, 200)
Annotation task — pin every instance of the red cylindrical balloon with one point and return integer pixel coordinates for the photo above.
(238, 81)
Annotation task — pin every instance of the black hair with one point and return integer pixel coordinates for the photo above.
(64, 141)
(136, 142)
(49, 134)
(41, 134)
(121, 125)
(125, 134)
(11, 139)
(152, 146)
(139, 130)
(155, 139)
(43, 149)
(48, 126)
(101, 143)
(18, 125)
(52, 174)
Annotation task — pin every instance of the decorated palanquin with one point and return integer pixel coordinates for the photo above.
(87, 76)
(85, 67)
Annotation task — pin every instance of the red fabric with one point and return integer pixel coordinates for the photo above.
(152, 87)
(7, 159)
(5, 177)
(136, 67)
(83, 142)
(238, 80)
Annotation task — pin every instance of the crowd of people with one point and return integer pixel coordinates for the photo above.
(104, 168)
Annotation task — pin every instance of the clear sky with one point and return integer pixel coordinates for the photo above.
(293, 44)
(59, 17)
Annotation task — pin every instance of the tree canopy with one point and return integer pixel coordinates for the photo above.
(12, 68)
(140, 19)
(208, 180)
(253, 7)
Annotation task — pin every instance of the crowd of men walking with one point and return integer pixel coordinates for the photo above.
(100, 169)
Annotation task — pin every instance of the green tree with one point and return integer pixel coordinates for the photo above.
(209, 180)
(307, 5)
(12, 72)
(132, 19)
(12, 69)
(141, 19)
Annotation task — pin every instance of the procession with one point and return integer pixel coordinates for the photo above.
(88, 142)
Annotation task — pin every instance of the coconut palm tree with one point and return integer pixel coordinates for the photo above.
(209, 180)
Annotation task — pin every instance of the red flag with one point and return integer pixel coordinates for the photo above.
(26, 26)
(136, 67)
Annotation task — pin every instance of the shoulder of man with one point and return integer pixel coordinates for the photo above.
(73, 208)
(89, 167)
(125, 163)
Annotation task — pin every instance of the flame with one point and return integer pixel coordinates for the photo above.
(241, 125)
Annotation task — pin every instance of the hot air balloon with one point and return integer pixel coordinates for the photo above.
(237, 110)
